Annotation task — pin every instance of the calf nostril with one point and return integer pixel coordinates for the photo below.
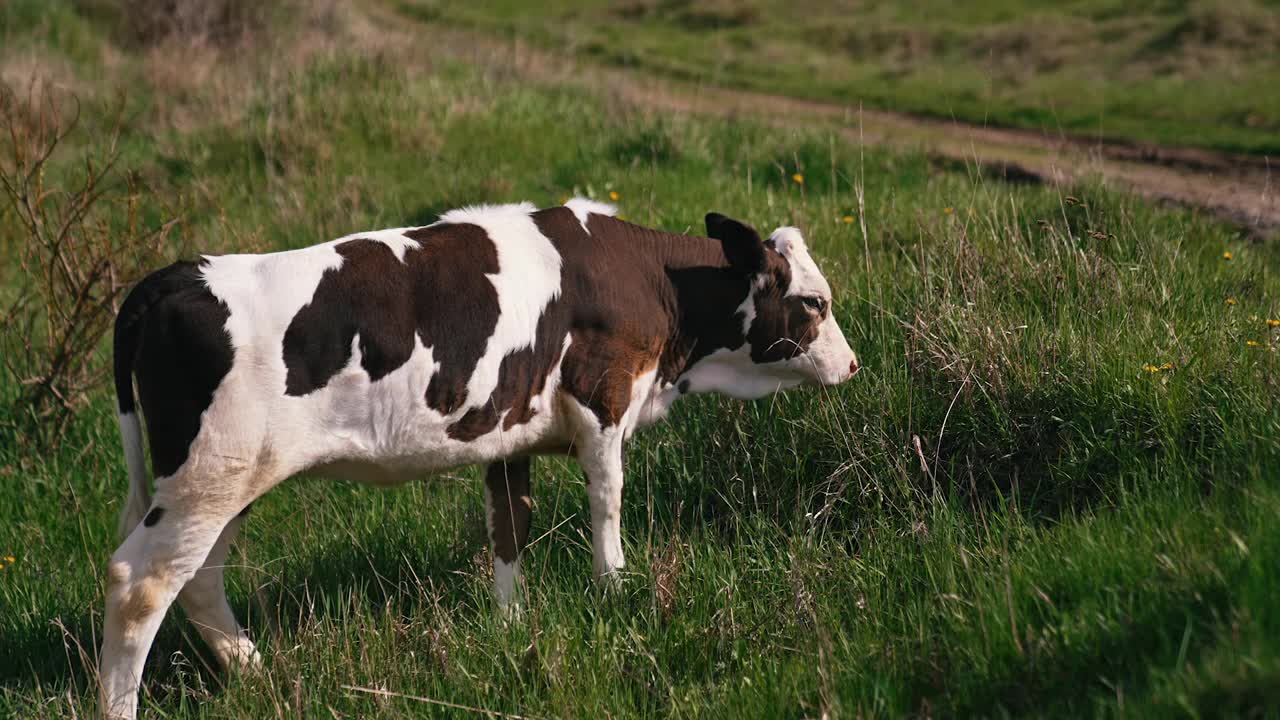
(853, 366)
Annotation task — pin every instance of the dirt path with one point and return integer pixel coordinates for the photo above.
(1237, 188)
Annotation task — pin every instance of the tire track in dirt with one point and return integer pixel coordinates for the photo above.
(1239, 189)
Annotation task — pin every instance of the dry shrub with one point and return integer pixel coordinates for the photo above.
(146, 23)
(693, 15)
(1237, 25)
(214, 77)
(270, 26)
(19, 66)
(1021, 52)
(899, 47)
(77, 238)
(1214, 34)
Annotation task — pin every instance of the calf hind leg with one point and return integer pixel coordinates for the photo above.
(508, 512)
(205, 601)
(144, 576)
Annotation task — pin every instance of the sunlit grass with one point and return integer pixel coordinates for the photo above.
(1006, 512)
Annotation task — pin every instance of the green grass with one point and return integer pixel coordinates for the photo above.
(1187, 73)
(1088, 539)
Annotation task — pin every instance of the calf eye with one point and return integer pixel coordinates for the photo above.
(815, 303)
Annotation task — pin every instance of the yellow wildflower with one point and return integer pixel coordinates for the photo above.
(613, 195)
(1231, 301)
(1251, 343)
(10, 559)
(948, 210)
(1151, 368)
(798, 178)
(1227, 255)
(1167, 366)
(847, 219)
(1273, 323)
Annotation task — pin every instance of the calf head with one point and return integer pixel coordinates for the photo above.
(791, 332)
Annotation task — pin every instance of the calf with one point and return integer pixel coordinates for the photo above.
(491, 336)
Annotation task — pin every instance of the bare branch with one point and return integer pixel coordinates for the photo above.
(75, 261)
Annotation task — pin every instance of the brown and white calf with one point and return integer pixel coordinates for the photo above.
(493, 335)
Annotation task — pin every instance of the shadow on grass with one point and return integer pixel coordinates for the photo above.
(1065, 681)
(47, 657)
(1045, 452)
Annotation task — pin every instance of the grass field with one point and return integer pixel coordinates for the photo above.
(1052, 491)
(1187, 73)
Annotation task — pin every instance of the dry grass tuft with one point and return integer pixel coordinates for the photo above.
(666, 563)
(19, 68)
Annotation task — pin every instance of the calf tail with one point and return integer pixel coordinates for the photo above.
(128, 323)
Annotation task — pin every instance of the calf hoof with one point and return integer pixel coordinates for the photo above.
(239, 655)
(511, 611)
(117, 715)
(610, 581)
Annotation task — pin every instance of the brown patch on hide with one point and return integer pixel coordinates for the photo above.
(141, 600)
(440, 293)
(784, 326)
(637, 298)
(522, 376)
(510, 514)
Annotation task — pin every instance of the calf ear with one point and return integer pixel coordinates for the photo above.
(742, 245)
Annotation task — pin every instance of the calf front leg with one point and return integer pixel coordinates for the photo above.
(508, 506)
(601, 460)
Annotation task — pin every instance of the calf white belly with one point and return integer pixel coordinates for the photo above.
(383, 432)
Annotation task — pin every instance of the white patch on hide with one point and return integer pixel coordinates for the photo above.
(584, 207)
